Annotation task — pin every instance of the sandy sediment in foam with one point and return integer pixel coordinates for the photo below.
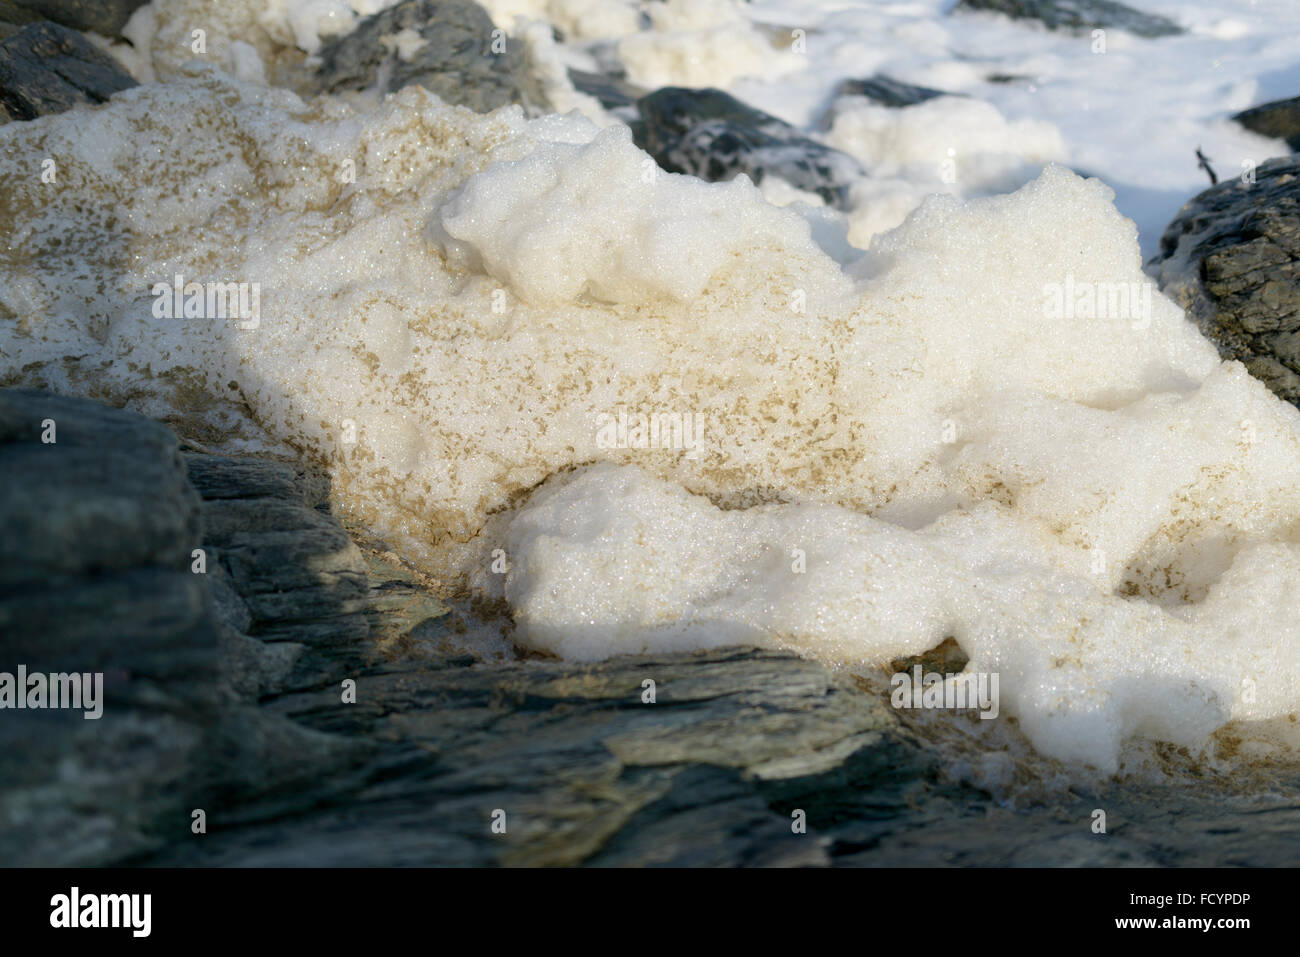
(454, 309)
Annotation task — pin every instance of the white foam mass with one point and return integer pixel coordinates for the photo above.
(949, 144)
(551, 229)
(454, 307)
(615, 558)
(577, 19)
(702, 43)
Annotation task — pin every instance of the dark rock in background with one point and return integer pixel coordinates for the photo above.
(106, 17)
(1079, 15)
(613, 92)
(713, 135)
(1231, 259)
(46, 68)
(456, 61)
(1279, 120)
(882, 90)
(889, 92)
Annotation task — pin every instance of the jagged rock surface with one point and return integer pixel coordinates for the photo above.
(453, 57)
(1079, 15)
(713, 135)
(46, 68)
(1279, 120)
(1231, 259)
(98, 525)
(106, 17)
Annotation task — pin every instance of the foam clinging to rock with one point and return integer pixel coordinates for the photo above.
(975, 433)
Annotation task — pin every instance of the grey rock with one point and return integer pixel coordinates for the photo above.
(107, 522)
(1231, 259)
(889, 92)
(1079, 15)
(106, 17)
(108, 494)
(613, 92)
(286, 573)
(291, 564)
(70, 623)
(1279, 120)
(712, 135)
(457, 61)
(711, 774)
(46, 68)
(586, 771)
(255, 669)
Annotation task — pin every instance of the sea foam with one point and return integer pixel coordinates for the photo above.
(453, 305)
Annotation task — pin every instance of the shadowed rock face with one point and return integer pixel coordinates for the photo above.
(452, 55)
(1279, 119)
(1231, 258)
(1079, 15)
(46, 68)
(713, 135)
(98, 526)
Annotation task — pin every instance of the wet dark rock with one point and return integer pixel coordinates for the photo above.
(1079, 15)
(456, 60)
(97, 533)
(46, 68)
(889, 92)
(106, 17)
(288, 579)
(109, 494)
(738, 746)
(712, 135)
(586, 771)
(611, 91)
(1279, 120)
(1231, 259)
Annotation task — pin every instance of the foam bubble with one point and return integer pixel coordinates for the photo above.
(601, 219)
(699, 43)
(614, 560)
(455, 308)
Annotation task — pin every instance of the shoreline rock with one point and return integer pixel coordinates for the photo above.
(1078, 15)
(105, 17)
(449, 47)
(1279, 120)
(46, 68)
(1231, 259)
(712, 135)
